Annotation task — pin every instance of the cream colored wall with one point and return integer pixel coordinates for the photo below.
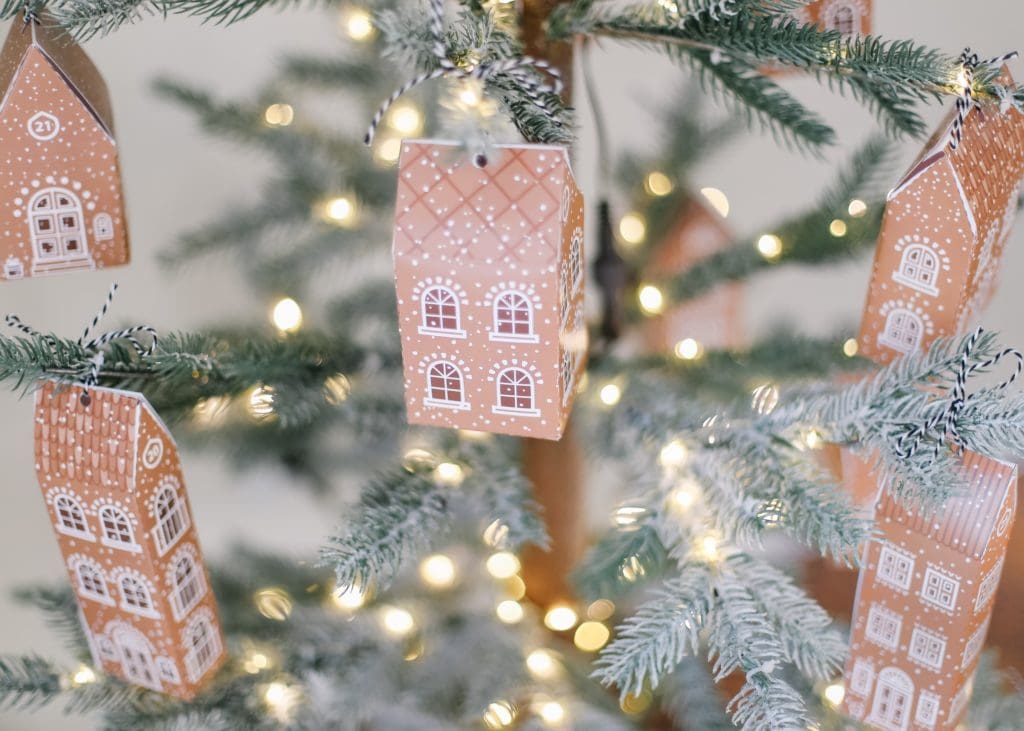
(177, 177)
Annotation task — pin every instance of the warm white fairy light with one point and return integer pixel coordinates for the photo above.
(542, 664)
(405, 118)
(560, 618)
(387, 149)
(837, 228)
(255, 663)
(286, 315)
(279, 115)
(628, 516)
(857, 208)
(417, 458)
(499, 714)
(610, 394)
(470, 92)
(449, 473)
(688, 349)
(813, 439)
(834, 693)
(658, 184)
(273, 603)
(211, 412)
(673, 455)
(510, 611)
(652, 301)
(337, 388)
(632, 569)
(496, 533)
(340, 210)
(769, 246)
(683, 496)
(281, 699)
(83, 675)
(438, 571)
(349, 598)
(632, 228)
(708, 546)
(551, 713)
(591, 636)
(514, 586)
(601, 609)
(502, 565)
(850, 347)
(397, 621)
(718, 200)
(765, 398)
(261, 402)
(358, 24)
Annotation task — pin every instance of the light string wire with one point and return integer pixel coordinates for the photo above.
(945, 421)
(969, 62)
(94, 347)
(526, 71)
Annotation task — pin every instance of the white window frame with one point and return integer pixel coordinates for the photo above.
(181, 607)
(568, 376)
(914, 282)
(528, 337)
(77, 511)
(425, 329)
(895, 567)
(576, 260)
(890, 334)
(987, 587)
(973, 646)
(895, 681)
(935, 578)
(79, 562)
(168, 670)
(927, 709)
(429, 400)
(862, 677)
(105, 648)
(57, 236)
(103, 227)
(122, 521)
(127, 638)
(162, 536)
(878, 614)
(140, 588)
(832, 21)
(498, 408)
(927, 648)
(195, 665)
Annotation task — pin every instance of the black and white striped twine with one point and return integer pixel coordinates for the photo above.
(965, 102)
(945, 422)
(521, 69)
(94, 347)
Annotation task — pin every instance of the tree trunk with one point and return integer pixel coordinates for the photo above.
(554, 468)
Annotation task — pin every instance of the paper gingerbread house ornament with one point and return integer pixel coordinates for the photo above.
(61, 208)
(714, 319)
(114, 488)
(489, 273)
(943, 234)
(849, 17)
(924, 600)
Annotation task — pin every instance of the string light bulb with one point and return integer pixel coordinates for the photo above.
(255, 663)
(83, 676)
(438, 571)
(286, 315)
(628, 516)
(632, 228)
(449, 473)
(261, 402)
(857, 208)
(211, 412)
(717, 199)
(551, 713)
(358, 24)
(274, 603)
(684, 496)
(601, 610)
(834, 693)
(502, 565)
(610, 394)
(543, 664)
(652, 301)
(339, 210)
(496, 533)
(560, 618)
(405, 119)
(337, 388)
(349, 598)
(673, 455)
(837, 228)
(850, 347)
(658, 184)
(769, 246)
(708, 546)
(397, 621)
(591, 636)
(688, 349)
(499, 714)
(387, 150)
(764, 399)
(510, 611)
(813, 439)
(279, 115)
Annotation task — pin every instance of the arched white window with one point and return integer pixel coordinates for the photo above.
(445, 386)
(893, 696)
(168, 670)
(71, 518)
(903, 330)
(172, 518)
(567, 376)
(576, 260)
(188, 585)
(103, 227)
(117, 529)
(843, 18)
(515, 393)
(57, 229)
(92, 584)
(919, 269)
(202, 646)
(565, 295)
(441, 316)
(135, 595)
(136, 656)
(513, 318)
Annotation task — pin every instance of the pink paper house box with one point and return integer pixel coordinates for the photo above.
(61, 206)
(489, 272)
(924, 601)
(946, 224)
(115, 493)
